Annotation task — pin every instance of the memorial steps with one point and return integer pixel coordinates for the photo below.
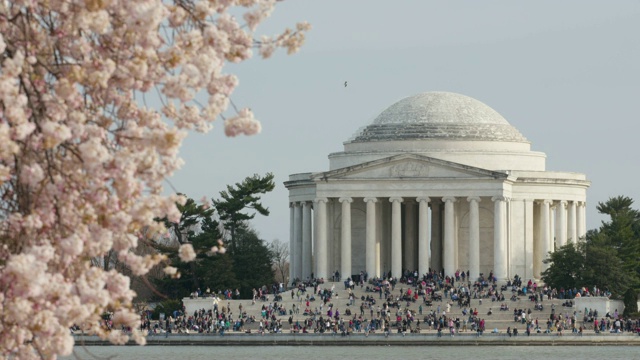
(499, 319)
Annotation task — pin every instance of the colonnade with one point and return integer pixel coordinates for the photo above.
(562, 222)
(559, 221)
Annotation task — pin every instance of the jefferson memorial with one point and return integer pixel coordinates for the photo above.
(437, 181)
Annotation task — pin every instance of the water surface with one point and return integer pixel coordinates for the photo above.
(356, 352)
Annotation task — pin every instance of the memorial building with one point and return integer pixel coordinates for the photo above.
(437, 181)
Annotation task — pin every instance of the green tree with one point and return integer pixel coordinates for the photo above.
(630, 302)
(253, 261)
(194, 217)
(604, 269)
(191, 216)
(249, 262)
(236, 199)
(175, 288)
(622, 232)
(609, 258)
(566, 267)
(218, 273)
(215, 271)
(208, 237)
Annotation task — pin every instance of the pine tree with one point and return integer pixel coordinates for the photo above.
(253, 260)
(621, 233)
(244, 195)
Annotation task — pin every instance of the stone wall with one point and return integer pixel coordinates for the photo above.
(602, 304)
(191, 305)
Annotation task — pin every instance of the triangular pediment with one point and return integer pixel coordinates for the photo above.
(408, 166)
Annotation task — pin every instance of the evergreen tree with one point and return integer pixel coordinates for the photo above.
(175, 288)
(218, 273)
(193, 217)
(208, 237)
(249, 262)
(630, 302)
(253, 261)
(622, 232)
(604, 268)
(215, 271)
(236, 199)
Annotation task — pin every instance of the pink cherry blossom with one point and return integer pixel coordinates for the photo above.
(186, 252)
(244, 123)
(83, 160)
(171, 271)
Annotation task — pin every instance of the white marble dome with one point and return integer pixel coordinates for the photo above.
(439, 115)
(439, 107)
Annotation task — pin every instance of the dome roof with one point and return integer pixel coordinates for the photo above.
(439, 115)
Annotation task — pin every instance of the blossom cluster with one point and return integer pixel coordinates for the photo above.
(83, 158)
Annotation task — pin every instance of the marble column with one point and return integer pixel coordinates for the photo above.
(572, 223)
(561, 223)
(436, 235)
(584, 218)
(474, 237)
(345, 240)
(316, 213)
(379, 231)
(410, 236)
(552, 227)
(314, 238)
(423, 235)
(582, 226)
(499, 241)
(527, 236)
(291, 243)
(396, 237)
(321, 240)
(545, 233)
(371, 236)
(306, 240)
(297, 234)
(449, 236)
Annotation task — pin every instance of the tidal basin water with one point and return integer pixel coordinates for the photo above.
(356, 352)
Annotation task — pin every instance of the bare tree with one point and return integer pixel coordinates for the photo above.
(280, 252)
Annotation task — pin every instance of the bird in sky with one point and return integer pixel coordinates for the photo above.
(345, 84)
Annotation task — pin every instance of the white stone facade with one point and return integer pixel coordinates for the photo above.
(437, 181)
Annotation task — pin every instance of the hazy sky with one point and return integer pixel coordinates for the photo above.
(564, 73)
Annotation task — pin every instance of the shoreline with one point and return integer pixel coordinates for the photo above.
(379, 339)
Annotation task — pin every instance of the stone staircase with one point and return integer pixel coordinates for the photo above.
(498, 319)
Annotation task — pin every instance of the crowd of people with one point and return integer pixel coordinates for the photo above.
(217, 320)
(411, 304)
